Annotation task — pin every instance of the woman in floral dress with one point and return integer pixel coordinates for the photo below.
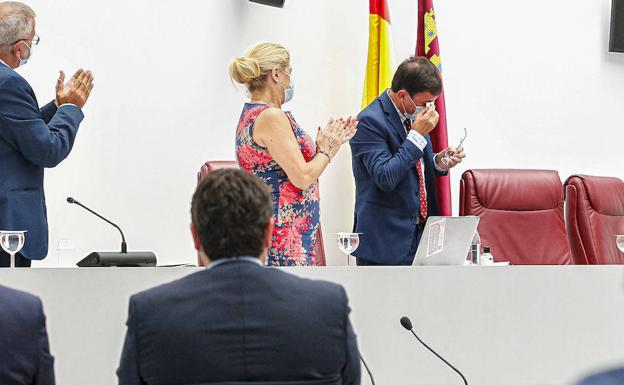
(271, 145)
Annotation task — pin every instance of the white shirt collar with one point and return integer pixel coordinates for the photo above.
(401, 116)
(218, 262)
(1, 62)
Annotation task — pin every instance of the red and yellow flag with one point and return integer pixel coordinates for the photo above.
(427, 44)
(380, 63)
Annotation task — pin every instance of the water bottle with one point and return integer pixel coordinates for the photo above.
(475, 249)
(487, 258)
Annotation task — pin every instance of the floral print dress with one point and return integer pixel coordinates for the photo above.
(295, 211)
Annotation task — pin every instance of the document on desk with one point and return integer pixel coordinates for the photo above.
(435, 238)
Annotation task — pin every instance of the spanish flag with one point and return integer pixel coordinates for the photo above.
(428, 44)
(380, 63)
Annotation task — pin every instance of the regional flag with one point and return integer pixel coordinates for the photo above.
(427, 44)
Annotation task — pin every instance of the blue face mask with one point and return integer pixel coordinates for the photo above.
(23, 62)
(411, 117)
(289, 91)
(417, 110)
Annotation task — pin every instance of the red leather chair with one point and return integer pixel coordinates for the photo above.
(594, 214)
(214, 165)
(521, 214)
(221, 164)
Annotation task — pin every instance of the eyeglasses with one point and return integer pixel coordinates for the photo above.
(446, 159)
(35, 41)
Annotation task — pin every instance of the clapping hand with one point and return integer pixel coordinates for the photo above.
(76, 91)
(335, 134)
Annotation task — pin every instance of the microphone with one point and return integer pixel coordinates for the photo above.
(124, 246)
(407, 324)
(367, 370)
(124, 258)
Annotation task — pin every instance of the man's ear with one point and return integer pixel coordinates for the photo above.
(202, 259)
(196, 240)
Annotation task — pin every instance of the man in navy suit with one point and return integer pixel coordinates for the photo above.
(24, 350)
(31, 139)
(238, 322)
(395, 168)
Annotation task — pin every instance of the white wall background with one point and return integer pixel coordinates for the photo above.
(534, 85)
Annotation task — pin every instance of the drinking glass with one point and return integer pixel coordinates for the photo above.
(12, 243)
(619, 241)
(65, 253)
(348, 243)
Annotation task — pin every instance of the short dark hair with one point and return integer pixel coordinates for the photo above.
(230, 212)
(417, 74)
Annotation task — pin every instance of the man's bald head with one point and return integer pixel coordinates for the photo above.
(16, 23)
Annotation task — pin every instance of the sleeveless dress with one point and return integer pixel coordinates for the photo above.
(295, 211)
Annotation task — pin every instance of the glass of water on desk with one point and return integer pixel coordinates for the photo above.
(619, 241)
(348, 243)
(12, 243)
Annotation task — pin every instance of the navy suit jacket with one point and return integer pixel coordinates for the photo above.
(610, 377)
(24, 351)
(30, 139)
(239, 322)
(387, 190)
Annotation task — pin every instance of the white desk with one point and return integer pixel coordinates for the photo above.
(499, 325)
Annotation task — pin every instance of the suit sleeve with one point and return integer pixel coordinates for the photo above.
(370, 147)
(45, 361)
(43, 142)
(128, 372)
(438, 170)
(351, 372)
(48, 111)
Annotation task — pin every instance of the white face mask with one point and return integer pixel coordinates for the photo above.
(289, 91)
(411, 117)
(417, 110)
(23, 62)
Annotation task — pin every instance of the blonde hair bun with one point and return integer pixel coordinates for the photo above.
(253, 68)
(245, 69)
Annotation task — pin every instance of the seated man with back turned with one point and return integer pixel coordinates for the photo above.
(614, 376)
(237, 322)
(24, 350)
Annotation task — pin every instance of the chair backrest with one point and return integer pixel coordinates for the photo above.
(594, 214)
(213, 165)
(320, 248)
(521, 214)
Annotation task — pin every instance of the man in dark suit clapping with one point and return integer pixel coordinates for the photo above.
(31, 138)
(24, 350)
(237, 322)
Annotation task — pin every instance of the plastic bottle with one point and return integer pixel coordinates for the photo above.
(475, 249)
(487, 258)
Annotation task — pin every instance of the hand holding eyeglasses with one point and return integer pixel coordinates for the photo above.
(451, 157)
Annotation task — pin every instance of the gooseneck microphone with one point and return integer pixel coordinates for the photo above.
(123, 259)
(124, 246)
(407, 324)
(367, 370)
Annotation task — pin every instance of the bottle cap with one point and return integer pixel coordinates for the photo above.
(486, 249)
